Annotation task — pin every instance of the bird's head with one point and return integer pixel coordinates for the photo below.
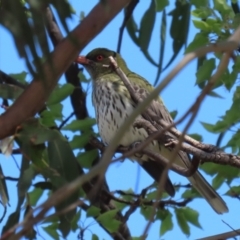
(97, 62)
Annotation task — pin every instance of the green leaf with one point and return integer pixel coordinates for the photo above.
(59, 94)
(234, 142)
(161, 4)
(51, 230)
(21, 77)
(79, 141)
(86, 159)
(132, 29)
(202, 13)
(230, 81)
(64, 169)
(199, 40)
(10, 91)
(209, 168)
(173, 114)
(228, 173)
(215, 25)
(196, 136)
(75, 220)
(95, 237)
(56, 111)
(108, 220)
(190, 193)
(217, 181)
(191, 216)
(62, 160)
(26, 176)
(233, 191)
(120, 206)
(152, 195)
(236, 20)
(128, 195)
(205, 71)
(47, 118)
(223, 8)
(212, 127)
(34, 196)
(199, 3)
(231, 116)
(35, 133)
(162, 45)
(182, 222)
(202, 25)
(36, 154)
(166, 225)
(179, 27)
(148, 57)
(214, 94)
(146, 26)
(12, 220)
(77, 125)
(222, 79)
(83, 78)
(147, 211)
(25, 180)
(93, 211)
(166, 221)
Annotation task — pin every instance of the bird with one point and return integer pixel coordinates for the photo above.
(113, 105)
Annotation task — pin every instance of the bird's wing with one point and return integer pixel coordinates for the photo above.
(143, 88)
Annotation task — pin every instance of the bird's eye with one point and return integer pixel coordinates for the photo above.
(99, 57)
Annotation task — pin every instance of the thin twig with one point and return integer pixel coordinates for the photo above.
(65, 121)
(9, 178)
(4, 213)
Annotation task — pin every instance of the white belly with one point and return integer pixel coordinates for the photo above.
(111, 112)
(110, 119)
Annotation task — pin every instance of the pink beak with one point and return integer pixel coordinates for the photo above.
(82, 60)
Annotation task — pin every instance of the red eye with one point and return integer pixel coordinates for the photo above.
(99, 57)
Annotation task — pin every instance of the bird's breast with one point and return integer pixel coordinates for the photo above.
(112, 108)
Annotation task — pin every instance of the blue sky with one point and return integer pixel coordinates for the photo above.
(178, 95)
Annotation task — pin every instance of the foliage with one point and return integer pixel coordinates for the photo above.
(51, 159)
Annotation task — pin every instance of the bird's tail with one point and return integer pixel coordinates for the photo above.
(206, 190)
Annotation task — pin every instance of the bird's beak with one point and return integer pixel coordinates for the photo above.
(82, 60)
